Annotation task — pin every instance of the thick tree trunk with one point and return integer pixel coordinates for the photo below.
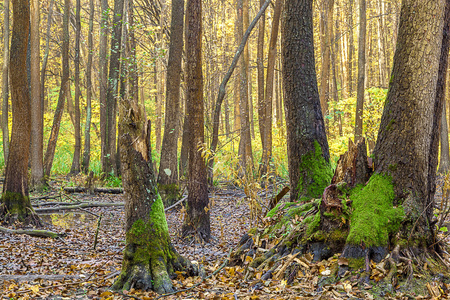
(15, 202)
(361, 71)
(406, 149)
(75, 169)
(87, 128)
(51, 146)
(149, 258)
(307, 145)
(5, 81)
(168, 168)
(197, 220)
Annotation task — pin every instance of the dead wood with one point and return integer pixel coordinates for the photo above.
(18, 278)
(78, 189)
(78, 206)
(37, 233)
(353, 166)
(274, 201)
(179, 202)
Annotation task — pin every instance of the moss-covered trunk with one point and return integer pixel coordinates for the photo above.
(307, 146)
(149, 259)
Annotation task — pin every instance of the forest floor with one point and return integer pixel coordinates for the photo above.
(70, 267)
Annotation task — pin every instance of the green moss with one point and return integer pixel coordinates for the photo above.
(392, 167)
(274, 211)
(374, 217)
(16, 204)
(356, 263)
(315, 174)
(315, 223)
(169, 193)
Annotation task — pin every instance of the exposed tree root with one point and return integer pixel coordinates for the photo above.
(155, 274)
(29, 218)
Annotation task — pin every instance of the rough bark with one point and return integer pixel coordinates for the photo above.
(197, 220)
(15, 202)
(168, 168)
(5, 81)
(306, 138)
(361, 70)
(87, 126)
(149, 258)
(51, 146)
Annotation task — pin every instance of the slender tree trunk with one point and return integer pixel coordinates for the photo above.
(46, 53)
(75, 169)
(361, 70)
(87, 128)
(351, 48)
(168, 168)
(260, 68)
(245, 144)
(51, 146)
(5, 82)
(307, 145)
(113, 88)
(327, 20)
(15, 198)
(267, 146)
(103, 76)
(160, 83)
(444, 161)
(381, 47)
(197, 219)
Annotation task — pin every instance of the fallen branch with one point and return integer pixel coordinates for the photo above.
(54, 203)
(18, 278)
(179, 202)
(78, 206)
(96, 190)
(38, 233)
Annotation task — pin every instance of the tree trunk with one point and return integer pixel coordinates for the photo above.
(327, 21)
(149, 257)
(267, 127)
(103, 74)
(350, 49)
(5, 82)
(245, 143)
(46, 53)
(75, 169)
(15, 198)
(168, 168)
(406, 149)
(197, 220)
(361, 70)
(87, 128)
(260, 68)
(444, 161)
(51, 146)
(307, 145)
(381, 47)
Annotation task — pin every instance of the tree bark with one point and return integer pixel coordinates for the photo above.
(361, 70)
(168, 168)
(75, 169)
(327, 21)
(197, 220)
(51, 146)
(15, 198)
(350, 49)
(260, 68)
(268, 101)
(103, 74)
(306, 138)
(46, 53)
(444, 161)
(5, 82)
(381, 47)
(87, 128)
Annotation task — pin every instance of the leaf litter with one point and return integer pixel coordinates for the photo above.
(70, 267)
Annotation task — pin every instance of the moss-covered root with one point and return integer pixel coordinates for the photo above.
(15, 207)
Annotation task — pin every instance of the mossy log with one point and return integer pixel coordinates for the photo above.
(33, 232)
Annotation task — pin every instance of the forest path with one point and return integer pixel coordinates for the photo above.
(69, 268)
